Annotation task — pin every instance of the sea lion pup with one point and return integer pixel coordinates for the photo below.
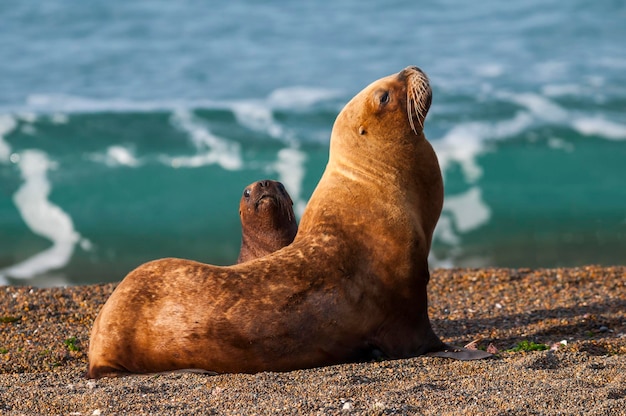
(352, 282)
(268, 222)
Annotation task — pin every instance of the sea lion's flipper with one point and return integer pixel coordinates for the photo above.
(459, 353)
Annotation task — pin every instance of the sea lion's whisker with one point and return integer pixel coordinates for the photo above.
(409, 105)
(420, 93)
(417, 93)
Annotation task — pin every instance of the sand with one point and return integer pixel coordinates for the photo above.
(579, 314)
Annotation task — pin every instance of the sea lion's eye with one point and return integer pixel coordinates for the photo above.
(384, 98)
(246, 193)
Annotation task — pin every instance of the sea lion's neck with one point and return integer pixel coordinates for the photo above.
(359, 188)
(366, 170)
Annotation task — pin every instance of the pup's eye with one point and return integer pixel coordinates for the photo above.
(384, 98)
(246, 193)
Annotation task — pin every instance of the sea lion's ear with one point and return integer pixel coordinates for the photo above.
(362, 130)
(459, 353)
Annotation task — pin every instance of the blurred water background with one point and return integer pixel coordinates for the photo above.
(128, 130)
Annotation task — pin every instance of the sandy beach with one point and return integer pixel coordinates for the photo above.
(559, 337)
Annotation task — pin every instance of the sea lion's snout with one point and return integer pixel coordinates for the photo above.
(266, 197)
(411, 71)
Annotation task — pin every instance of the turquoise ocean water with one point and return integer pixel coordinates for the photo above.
(128, 130)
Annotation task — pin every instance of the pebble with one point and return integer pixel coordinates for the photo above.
(378, 405)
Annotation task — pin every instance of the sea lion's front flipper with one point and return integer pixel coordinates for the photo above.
(459, 353)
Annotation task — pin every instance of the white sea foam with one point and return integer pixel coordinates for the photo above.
(596, 80)
(7, 124)
(255, 114)
(492, 70)
(120, 155)
(464, 142)
(540, 107)
(468, 210)
(199, 160)
(297, 97)
(59, 118)
(27, 116)
(546, 110)
(300, 97)
(258, 116)
(601, 127)
(290, 169)
(559, 90)
(560, 144)
(115, 156)
(461, 213)
(435, 262)
(59, 103)
(28, 129)
(42, 217)
(445, 231)
(547, 70)
(211, 148)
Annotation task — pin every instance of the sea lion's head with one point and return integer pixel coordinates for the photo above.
(379, 157)
(395, 104)
(268, 222)
(382, 126)
(266, 205)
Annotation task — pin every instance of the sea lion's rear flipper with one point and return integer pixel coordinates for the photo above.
(459, 353)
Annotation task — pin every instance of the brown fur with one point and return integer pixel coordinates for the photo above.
(268, 222)
(353, 281)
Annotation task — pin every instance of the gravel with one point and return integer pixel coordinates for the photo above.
(577, 316)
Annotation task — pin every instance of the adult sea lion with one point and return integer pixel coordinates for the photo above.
(268, 222)
(352, 282)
